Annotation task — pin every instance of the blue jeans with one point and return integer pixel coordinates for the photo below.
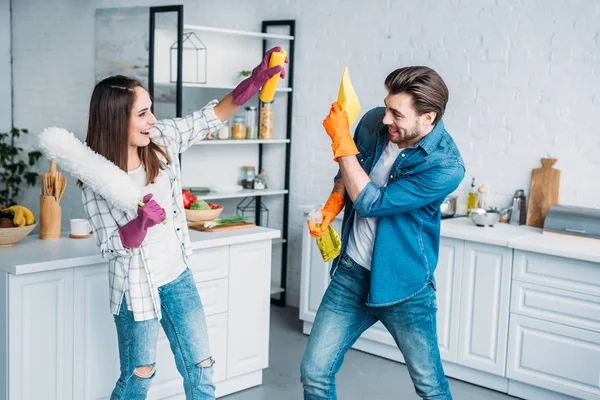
(184, 324)
(343, 316)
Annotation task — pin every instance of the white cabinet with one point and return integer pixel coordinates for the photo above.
(63, 342)
(40, 336)
(554, 339)
(248, 339)
(315, 274)
(555, 356)
(484, 307)
(448, 276)
(95, 351)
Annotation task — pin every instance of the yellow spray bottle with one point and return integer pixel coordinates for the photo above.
(268, 90)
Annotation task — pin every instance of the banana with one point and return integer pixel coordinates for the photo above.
(21, 215)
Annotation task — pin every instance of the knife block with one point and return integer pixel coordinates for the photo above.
(50, 218)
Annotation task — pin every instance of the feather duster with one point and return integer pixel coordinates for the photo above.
(94, 170)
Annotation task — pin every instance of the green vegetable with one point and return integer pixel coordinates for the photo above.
(199, 205)
(235, 219)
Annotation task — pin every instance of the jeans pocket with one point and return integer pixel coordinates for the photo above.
(347, 263)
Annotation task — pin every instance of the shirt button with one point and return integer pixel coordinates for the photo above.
(178, 229)
(403, 154)
(174, 212)
(391, 176)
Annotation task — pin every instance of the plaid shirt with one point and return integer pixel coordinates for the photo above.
(130, 271)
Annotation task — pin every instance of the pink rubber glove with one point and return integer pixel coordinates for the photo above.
(150, 214)
(261, 74)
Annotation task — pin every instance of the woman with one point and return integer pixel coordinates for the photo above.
(150, 282)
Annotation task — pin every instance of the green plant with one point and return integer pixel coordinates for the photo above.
(14, 171)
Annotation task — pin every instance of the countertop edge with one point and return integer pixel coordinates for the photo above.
(64, 263)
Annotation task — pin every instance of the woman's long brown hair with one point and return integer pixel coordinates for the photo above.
(108, 125)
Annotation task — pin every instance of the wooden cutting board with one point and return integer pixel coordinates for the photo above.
(240, 225)
(544, 192)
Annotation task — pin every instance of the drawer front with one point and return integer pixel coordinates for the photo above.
(555, 305)
(558, 272)
(554, 356)
(214, 295)
(210, 264)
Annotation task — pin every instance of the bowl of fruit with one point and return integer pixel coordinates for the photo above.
(199, 210)
(16, 222)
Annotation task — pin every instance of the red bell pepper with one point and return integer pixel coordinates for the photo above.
(188, 198)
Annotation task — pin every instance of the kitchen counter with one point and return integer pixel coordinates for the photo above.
(501, 234)
(35, 255)
(521, 237)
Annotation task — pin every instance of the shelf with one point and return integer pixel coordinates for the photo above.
(276, 289)
(229, 142)
(240, 194)
(210, 86)
(278, 241)
(236, 32)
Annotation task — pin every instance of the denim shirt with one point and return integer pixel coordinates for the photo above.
(407, 241)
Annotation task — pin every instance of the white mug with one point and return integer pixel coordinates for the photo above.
(80, 228)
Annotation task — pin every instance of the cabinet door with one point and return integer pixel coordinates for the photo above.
(249, 302)
(315, 274)
(484, 307)
(554, 356)
(95, 353)
(448, 275)
(40, 333)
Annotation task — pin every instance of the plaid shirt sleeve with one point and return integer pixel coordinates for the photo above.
(179, 134)
(105, 228)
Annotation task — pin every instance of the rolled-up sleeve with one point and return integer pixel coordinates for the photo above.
(181, 133)
(410, 193)
(105, 229)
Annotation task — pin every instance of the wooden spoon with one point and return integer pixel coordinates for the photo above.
(42, 182)
(62, 185)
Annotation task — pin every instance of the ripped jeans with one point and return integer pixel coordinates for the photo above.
(184, 323)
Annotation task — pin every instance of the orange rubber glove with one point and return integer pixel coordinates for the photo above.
(331, 209)
(338, 128)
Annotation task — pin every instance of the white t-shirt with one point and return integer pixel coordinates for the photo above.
(362, 237)
(165, 250)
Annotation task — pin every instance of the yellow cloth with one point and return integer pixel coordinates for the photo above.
(347, 98)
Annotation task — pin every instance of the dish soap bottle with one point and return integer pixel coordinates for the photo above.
(471, 198)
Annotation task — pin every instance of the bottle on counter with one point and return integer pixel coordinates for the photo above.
(471, 198)
(518, 214)
(481, 197)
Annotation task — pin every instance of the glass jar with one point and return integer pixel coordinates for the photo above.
(248, 175)
(251, 123)
(238, 127)
(260, 182)
(266, 121)
(223, 133)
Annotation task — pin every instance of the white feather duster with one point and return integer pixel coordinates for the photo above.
(99, 173)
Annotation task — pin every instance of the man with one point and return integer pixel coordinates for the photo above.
(393, 178)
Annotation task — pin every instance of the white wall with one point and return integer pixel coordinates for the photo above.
(5, 69)
(524, 79)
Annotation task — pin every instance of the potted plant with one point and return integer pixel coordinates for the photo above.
(15, 167)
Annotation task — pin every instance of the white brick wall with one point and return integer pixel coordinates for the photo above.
(5, 79)
(524, 79)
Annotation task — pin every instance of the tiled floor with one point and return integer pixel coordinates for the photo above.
(363, 376)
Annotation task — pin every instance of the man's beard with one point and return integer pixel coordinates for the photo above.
(414, 133)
